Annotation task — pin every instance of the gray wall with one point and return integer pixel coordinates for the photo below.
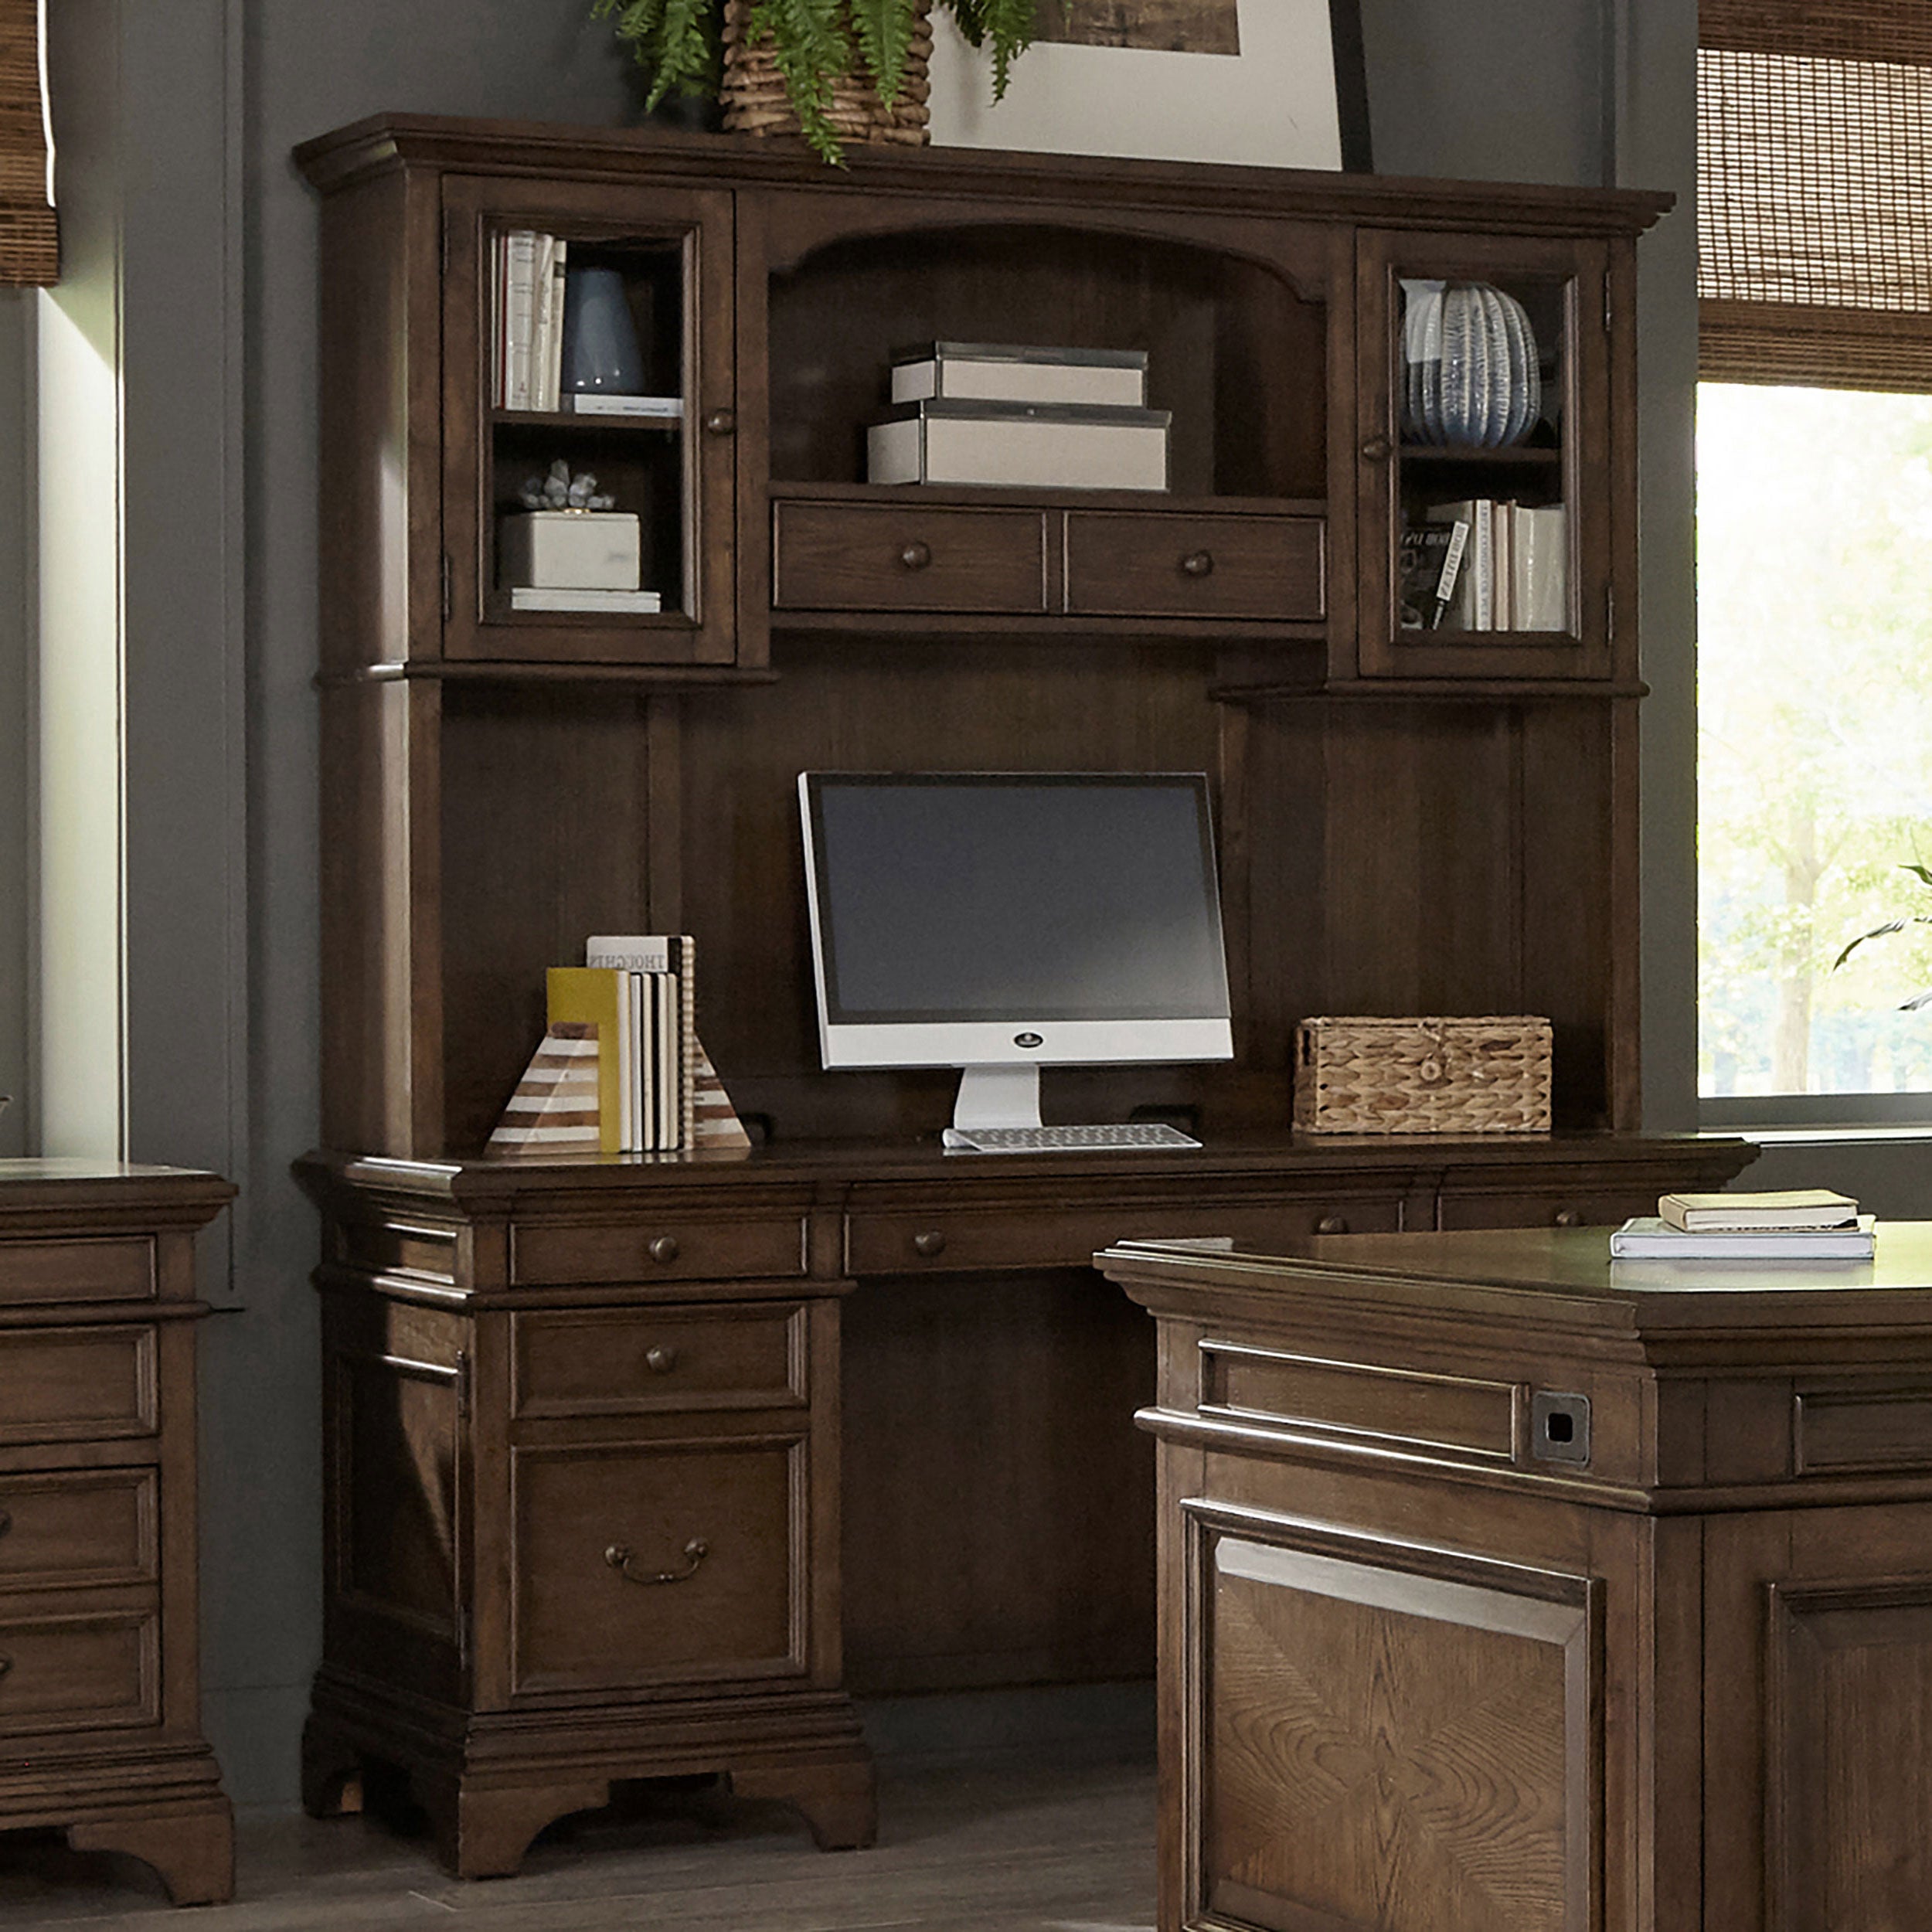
(217, 319)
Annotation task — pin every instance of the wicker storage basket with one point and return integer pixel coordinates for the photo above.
(1489, 1075)
(755, 102)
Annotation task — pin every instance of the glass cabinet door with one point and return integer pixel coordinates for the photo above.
(1485, 459)
(589, 420)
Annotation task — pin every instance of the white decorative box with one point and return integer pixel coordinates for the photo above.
(569, 550)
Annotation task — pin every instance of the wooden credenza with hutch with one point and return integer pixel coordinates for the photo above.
(643, 1465)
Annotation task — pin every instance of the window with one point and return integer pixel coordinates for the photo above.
(1814, 559)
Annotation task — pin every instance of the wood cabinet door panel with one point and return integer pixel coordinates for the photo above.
(602, 1362)
(639, 1564)
(79, 1672)
(854, 556)
(1387, 1748)
(1122, 563)
(64, 1529)
(61, 1384)
(37, 1271)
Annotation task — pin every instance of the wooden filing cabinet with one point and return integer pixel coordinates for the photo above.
(99, 1698)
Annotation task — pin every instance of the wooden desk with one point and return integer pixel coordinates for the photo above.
(100, 1695)
(860, 1415)
(1504, 1586)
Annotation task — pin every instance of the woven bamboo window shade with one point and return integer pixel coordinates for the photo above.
(1814, 192)
(29, 243)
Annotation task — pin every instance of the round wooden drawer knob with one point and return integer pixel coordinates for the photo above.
(1378, 449)
(1332, 1224)
(915, 556)
(1569, 1218)
(665, 1248)
(661, 1360)
(721, 423)
(1198, 563)
(929, 1243)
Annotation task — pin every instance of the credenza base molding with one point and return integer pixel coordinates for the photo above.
(490, 1782)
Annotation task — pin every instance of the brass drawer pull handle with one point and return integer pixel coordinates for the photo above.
(720, 423)
(665, 1248)
(1569, 1218)
(620, 1555)
(916, 556)
(1198, 563)
(1332, 1224)
(661, 1360)
(929, 1243)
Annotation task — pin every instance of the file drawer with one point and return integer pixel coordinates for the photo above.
(55, 1271)
(83, 1528)
(80, 1672)
(60, 1385)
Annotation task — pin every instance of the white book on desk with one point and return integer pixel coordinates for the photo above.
(1646, 1238)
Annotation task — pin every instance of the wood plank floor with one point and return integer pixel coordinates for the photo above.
(992, 1846)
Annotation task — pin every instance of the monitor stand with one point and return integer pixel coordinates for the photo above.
(997, 1097)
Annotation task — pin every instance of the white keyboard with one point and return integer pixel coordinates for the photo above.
(1128, 1137)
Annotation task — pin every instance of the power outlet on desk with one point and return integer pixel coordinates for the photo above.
(1559, 1427)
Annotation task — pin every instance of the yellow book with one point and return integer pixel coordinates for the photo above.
(589, 995)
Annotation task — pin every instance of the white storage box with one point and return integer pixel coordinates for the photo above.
(569, 550)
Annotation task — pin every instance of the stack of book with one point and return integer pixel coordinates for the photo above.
(1805, 1224)
(619, 1070)
(1028, 418)
(1513, 567)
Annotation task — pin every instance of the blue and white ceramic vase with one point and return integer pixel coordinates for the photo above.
(1470, 373)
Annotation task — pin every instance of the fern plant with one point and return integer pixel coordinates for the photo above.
(813, 43)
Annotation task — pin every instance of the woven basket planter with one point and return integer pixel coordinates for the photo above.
(1489, 1075)
(755, 102)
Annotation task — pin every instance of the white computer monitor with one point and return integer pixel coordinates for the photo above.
(999, 922)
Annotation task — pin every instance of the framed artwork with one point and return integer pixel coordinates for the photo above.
(1272, 83)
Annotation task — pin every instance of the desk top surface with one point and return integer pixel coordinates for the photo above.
(1561, 1274)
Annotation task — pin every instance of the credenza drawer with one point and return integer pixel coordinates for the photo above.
(899, 1243)
(98, 1271)
(638, 1360)
(79, 1672)
(852, 556)
(636, 1564)
(61, 1384)
(1125, 563)
(671, 1247)
(78, 1527)
(1587, 1207)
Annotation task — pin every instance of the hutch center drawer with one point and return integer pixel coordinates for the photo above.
(637, 1564)
(900, 1243)
(605, 1361)
(1148, 564)
(67, 1673)
(57, 1385)
(667, 1247)
(858, 556)
(65, 1529)
(55, 1271)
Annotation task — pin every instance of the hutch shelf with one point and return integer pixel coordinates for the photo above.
(642, 1466)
